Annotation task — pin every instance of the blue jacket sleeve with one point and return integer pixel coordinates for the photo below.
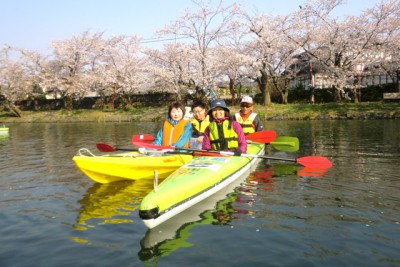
(158, 139)
(185, 137)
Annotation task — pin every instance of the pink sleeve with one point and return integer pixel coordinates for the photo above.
(241, 137)
(206, 140)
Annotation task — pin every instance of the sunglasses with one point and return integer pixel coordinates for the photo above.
(246, 105)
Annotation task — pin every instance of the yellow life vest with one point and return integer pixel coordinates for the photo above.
(222, 136)
(200, 126)
(172, 133)
(247, 125)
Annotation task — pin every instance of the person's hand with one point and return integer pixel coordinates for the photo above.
(237, 152)
(142, 150)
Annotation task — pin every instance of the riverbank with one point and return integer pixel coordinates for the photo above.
(330, 111)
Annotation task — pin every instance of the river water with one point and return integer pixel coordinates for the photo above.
(279, 215)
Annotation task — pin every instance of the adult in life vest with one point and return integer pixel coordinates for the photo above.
(200, 122)
(223, 134)
(249, 120)
(175, 131)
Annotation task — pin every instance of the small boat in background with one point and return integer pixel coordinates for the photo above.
(4, 130)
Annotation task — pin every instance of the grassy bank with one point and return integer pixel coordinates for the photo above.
(275, 112)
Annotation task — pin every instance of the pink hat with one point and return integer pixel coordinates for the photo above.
(247, 99)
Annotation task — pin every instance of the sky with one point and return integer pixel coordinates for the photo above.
(34, 24)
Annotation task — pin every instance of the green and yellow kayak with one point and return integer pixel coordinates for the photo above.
(128, 166)
(193, 182)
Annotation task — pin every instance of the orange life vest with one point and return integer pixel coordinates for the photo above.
(172, 133)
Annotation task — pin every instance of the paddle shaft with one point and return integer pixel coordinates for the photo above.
(228, 153)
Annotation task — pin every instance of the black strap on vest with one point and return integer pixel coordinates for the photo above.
(222, 142)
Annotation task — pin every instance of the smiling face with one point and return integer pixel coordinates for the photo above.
(199, 113)
(176, 114)
(218, 113)
(246, 108)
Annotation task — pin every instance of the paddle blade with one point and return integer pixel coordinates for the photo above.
(103, 147)
(266, 136)
(315, 162)
(142, 138)
(286, 143)
(148, 145)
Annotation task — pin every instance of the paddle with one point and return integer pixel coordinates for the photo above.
(265, 136)
(143, 138)
(104, 147)
(310, 161)
(286, 143)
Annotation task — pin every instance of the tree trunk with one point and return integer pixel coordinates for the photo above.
(262, 84)
(232, 90)
(285, 95)
(13, 109)
(68, 102)
(337, 97)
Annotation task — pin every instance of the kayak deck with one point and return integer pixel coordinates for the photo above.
(193, 182)
(128, 166)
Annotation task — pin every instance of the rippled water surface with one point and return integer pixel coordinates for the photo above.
(279, 215)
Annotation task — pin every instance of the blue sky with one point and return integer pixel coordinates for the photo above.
(33, 24)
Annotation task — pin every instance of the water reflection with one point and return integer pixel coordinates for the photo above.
(45, 201)
(111, 203)
(174, 233)
(237, 200)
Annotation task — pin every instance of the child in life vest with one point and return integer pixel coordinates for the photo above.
(199, 123)
(223, 134)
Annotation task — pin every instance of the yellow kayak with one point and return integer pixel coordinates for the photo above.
(128, 166)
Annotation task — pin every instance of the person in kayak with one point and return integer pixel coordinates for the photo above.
(223, 134)
(249, 120)
(175, 131)
(199, 123)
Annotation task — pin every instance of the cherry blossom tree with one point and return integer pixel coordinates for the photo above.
(272, 53)
(123, 69)
(18, 76)
(339, 45)
(71, 71)
(232, 58)
(171, 67)
(203, 28)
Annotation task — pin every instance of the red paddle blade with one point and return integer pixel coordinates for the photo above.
(148, 145)
(142, 138)
(103, 147)
(315, 161)
(266, 136)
